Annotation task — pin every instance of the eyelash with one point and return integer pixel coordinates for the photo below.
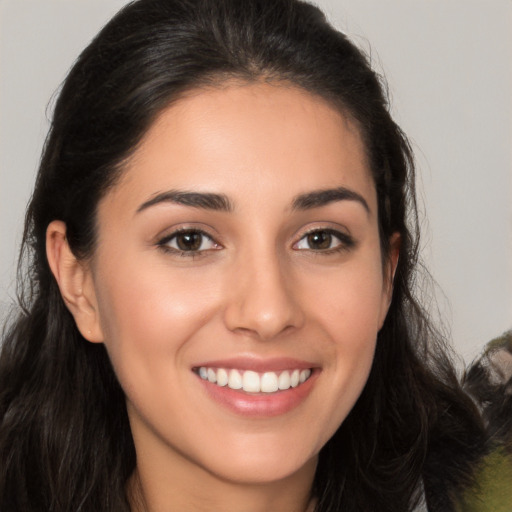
(345, 242)
(163, 244)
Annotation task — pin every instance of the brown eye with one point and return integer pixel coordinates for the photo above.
(325, 240)
(319, 240)
(188, 241)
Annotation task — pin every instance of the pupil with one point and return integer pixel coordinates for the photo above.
(319, 240)
(189, 241)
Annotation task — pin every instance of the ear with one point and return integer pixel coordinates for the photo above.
(389, 273)
(75, 282)
(395, 242)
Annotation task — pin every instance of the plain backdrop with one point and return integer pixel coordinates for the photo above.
(449, 68)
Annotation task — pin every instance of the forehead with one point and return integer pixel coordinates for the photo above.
(240, 138)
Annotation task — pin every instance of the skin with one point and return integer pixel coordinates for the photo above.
(258, 288)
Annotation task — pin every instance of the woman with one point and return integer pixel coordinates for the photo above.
(221, 247)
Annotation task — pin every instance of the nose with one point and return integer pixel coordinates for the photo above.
(263, 302)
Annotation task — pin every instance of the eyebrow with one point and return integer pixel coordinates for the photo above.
(203, 200)
(220, 202)
(319, 198)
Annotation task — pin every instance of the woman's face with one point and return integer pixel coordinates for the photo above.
(241, 246)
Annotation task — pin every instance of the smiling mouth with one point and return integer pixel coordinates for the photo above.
(254, 382)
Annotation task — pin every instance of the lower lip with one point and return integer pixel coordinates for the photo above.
(260, 404)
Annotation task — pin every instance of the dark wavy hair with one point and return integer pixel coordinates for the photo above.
(65, 441)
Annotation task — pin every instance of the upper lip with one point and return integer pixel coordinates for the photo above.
(258, 365)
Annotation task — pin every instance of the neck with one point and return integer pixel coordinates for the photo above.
(151, 491)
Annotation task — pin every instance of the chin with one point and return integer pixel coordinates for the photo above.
(256, 471)
(263, 462)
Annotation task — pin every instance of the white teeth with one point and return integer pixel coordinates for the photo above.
(284, 380)
(222, 377)
(235, 380)
(253, 382)
(304, 375)
(212, 375)
(269, 382)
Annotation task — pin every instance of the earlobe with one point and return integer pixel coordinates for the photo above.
(75, 282)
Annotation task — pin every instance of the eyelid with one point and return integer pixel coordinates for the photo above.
(186, 227)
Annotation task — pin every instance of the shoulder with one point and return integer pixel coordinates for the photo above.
(491, 489)
(489, 381)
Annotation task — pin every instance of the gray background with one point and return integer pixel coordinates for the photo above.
(448, 65)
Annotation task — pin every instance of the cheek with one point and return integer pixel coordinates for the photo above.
(350, 301)
(348, 309)
(149, 313)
